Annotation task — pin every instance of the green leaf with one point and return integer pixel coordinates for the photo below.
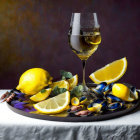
(63, 78)
(43, 90)
(58, 90)
(65, 74)
(77, 91)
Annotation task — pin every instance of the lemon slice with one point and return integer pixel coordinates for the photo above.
(60, 84)
(96, 38)
(55, 104)
(42, 95)
(73, 82)
(111, 72)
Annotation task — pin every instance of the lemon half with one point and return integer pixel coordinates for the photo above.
(122, 91)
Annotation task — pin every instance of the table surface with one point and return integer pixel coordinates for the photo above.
(11, 121)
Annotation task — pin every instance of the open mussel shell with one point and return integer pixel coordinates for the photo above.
(98, 91)
(115, 106)
(108, 88)
(83, 100)
(111, 98)
(101, 86)
(133, 91)
(94, 107)
(97, 106)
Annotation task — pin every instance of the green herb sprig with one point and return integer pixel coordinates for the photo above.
(77, 91)
(57, 91)
(65, 74)
(43, 90)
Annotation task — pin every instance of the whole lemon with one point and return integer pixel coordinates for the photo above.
(121, 91)
(33, 80)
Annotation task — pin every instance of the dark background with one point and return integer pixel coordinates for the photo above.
(33, 33)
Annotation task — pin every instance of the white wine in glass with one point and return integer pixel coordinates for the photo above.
(84, 37)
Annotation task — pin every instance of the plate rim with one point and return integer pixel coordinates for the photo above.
(77, 119)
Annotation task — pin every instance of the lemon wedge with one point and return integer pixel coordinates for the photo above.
(60, 84)
(42, 95)
(73, 82)
(111, 72)
(55, 104)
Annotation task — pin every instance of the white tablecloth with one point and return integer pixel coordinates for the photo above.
(17, 127)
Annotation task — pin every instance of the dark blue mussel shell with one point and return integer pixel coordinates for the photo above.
(99, 89)
(101, 86)
(108, 88)
(98, 101)
(98, 93)
(134, 92)
(112, 98)
(83, 99)
(115, 106)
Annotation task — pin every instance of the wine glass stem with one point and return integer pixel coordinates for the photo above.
(84, 83)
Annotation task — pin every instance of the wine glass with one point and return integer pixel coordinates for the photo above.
(84, 37)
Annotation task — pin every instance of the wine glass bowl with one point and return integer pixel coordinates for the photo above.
(84, 37)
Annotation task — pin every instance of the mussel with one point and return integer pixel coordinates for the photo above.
(111, 98)
(99, 89)
(101, 86)
(115, 106)
(83, 100)
(134, 92)
(97, 105)
(108, 88)
(97, 92)
(74, 109)
(84, 113)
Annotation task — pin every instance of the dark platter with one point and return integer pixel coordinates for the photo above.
(101, 117)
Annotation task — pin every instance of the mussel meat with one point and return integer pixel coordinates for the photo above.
(84, 113)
